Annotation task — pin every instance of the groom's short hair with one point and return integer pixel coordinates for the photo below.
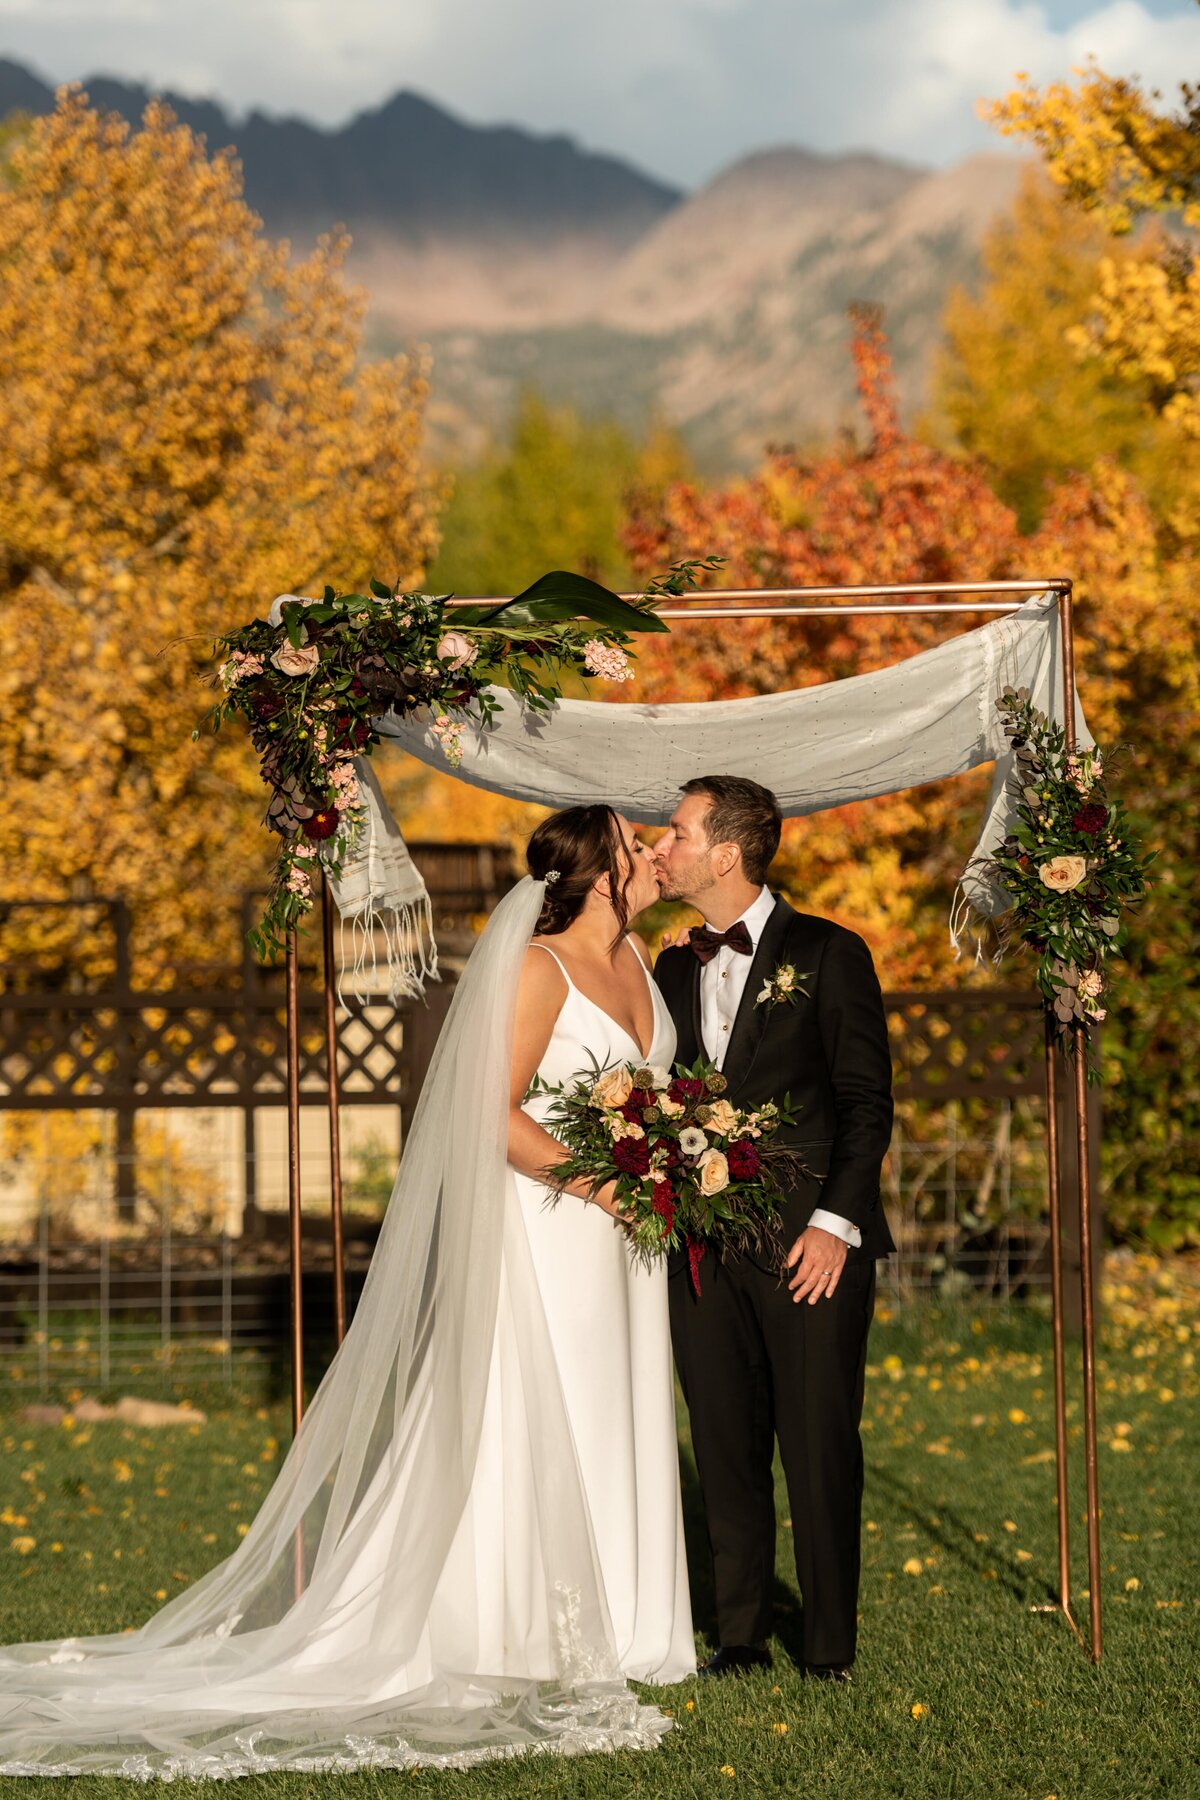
(742, 813)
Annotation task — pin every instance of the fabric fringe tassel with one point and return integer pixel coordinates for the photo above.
(410, 951)
(965, 923)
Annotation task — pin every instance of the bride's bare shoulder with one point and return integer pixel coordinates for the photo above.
(541, 968)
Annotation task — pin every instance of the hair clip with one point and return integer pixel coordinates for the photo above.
(551, 875)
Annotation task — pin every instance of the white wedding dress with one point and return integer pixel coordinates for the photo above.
(609, 1331)
(475, 1536)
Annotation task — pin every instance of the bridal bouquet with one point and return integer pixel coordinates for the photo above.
(691, 1169)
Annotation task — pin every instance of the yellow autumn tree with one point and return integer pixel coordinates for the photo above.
(1134, 169)
(1008, 387)
(186, 429)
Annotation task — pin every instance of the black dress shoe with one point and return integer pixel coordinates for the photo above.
(829, 1671)
(732, 1659)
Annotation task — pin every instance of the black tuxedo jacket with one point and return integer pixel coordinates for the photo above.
(828, 1050)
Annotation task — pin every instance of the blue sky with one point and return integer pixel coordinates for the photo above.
(681, 87)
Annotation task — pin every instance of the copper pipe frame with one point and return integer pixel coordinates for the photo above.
(1053, 1178)
(333, 1101)
(726, 603)
(1086, 1286)
(760, 600)
(294, 1237)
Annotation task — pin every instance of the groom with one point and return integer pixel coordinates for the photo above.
(762, 1359)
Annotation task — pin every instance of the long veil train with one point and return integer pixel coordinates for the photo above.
(367, 1656)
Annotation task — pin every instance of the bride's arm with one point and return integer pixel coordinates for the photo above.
(531, 1149)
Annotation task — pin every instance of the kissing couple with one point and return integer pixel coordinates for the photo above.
(475, 1541)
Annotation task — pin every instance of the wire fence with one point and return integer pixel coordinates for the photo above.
(173, 1294)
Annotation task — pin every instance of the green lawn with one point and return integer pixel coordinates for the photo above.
(962, 1692)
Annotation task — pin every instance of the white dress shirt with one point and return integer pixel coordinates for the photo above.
(722, 984)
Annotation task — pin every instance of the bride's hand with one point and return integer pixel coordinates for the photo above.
(606, 1197)
(676, 940)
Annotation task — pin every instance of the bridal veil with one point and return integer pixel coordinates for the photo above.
(329, 1640)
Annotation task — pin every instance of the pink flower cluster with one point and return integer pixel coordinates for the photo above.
(1091, 987)
(346, 791)
(243, 665)
(449, 734)
(299, 878)
(606, 660)
(1085, 771)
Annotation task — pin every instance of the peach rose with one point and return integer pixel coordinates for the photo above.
(613, 1088)
(291, 661)
(722, 1118)
(714, 1172)
(457, 650)
(1062, 873)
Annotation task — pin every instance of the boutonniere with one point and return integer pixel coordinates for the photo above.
(784, 984)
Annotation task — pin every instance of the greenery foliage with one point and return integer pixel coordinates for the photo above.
(312, 685)
(1070, 864)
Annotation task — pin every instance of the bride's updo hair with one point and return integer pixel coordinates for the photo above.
(581, 843)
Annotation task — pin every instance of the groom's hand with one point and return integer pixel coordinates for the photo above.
(818, 1257)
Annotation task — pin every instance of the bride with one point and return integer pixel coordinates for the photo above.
(476, 1535)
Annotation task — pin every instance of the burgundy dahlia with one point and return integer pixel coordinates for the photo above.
(744, 1160)
(685, 1087)
(636, 1105)
(1092, 818)
(350, 731)
(323, 824)
(632, 1156)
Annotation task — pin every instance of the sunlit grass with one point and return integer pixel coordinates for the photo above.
(962, 1691)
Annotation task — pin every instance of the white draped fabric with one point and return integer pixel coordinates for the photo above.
(920, 720)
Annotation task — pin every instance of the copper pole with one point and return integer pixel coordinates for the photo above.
(293, 1110)
(1087, 1296)
(335, 1127)
(293, 1113)
(882, 591)
(1053, 1177)
(1088, 1323)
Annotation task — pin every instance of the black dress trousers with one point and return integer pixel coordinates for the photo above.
(766, 1368)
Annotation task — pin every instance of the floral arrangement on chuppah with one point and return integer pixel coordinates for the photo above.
(310, 680)
(1072, 864)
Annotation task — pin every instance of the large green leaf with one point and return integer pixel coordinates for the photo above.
(559, 596)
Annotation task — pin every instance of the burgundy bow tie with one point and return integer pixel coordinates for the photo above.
(706, 943)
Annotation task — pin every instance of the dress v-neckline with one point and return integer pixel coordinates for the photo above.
(571, 983)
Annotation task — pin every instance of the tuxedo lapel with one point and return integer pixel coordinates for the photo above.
(751, 1019)
(694, 992)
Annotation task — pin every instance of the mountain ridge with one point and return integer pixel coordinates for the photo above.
(408, 166)
(523, 261)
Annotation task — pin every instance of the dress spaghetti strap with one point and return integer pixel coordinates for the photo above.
(558, 960)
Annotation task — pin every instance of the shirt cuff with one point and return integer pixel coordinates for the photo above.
(827, 1221)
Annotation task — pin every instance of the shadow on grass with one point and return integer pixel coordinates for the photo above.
(954, 1535)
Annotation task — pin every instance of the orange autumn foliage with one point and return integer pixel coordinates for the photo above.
(186, 430)
(895, 509)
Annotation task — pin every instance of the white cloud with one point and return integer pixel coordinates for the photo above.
(682, 87)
